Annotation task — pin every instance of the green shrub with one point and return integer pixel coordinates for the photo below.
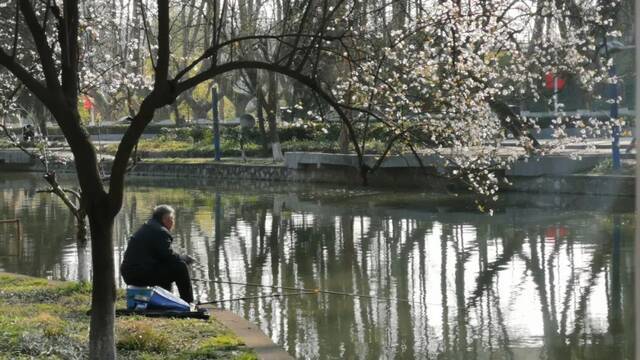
(183, 134)
(202, 134)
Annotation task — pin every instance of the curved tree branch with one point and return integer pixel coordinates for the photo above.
(36, 87)
(42, 46)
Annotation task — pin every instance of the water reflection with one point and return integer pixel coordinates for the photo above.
(545, 278)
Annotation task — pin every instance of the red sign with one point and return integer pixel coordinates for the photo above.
(88, 104)
(549, 82)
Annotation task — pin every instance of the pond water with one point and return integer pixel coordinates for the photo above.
(426, 276)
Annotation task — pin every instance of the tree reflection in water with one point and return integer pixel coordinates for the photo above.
(539, 279)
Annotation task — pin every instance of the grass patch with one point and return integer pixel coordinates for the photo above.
(136, 335)
(51, 325)
(214, 346)
(223, 342)
(41, 319)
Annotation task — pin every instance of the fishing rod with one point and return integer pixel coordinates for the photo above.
(255, 297)
(309, 291)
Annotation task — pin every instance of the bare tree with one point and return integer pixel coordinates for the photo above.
(55, 32)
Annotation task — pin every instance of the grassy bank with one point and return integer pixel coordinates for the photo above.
(48, 320)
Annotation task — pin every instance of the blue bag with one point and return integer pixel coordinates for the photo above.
(163, 299)
(138, 297)
(142, 298)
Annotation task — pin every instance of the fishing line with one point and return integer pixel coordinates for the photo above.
(311, 291)
(256, 297)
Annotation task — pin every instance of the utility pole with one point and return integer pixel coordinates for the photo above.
(610, 48)
(613, 114)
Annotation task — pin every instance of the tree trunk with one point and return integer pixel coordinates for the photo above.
(343, 139)
(364, 174)
(399, 9)
(260, 115)
(81, 230)
(81, 247)
(221, 105)
(103, 296)
(42, 122)
(83, 265)
(271, 117)
(179, 119)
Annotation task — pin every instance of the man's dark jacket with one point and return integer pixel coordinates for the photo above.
(148, 248)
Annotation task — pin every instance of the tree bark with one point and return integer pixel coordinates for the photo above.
(103, 296)
(343, 139)
(260, 115)
(83, 266)
(81, 230)
(271, 117)
(180, 121)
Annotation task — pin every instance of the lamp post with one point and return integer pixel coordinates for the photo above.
(613, 114)
(611, 47)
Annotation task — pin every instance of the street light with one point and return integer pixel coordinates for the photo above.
(611, 47)
(613, 114)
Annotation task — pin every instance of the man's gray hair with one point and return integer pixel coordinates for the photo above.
(160, 211)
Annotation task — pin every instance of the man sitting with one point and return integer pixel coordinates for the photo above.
(149, 259)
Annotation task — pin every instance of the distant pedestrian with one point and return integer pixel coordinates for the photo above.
(27, 133)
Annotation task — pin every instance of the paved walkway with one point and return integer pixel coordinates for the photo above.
(251, 334)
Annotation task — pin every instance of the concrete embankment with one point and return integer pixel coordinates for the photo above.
(550, 174)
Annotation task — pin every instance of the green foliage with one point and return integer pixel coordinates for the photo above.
(4, 143)
(302, 131)
(605, 167)
(197, 141)
(183, 134)
(202, 92)
(229, 109)
(201, 134)
(224, 341)
(69, 288)
(193, 134)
